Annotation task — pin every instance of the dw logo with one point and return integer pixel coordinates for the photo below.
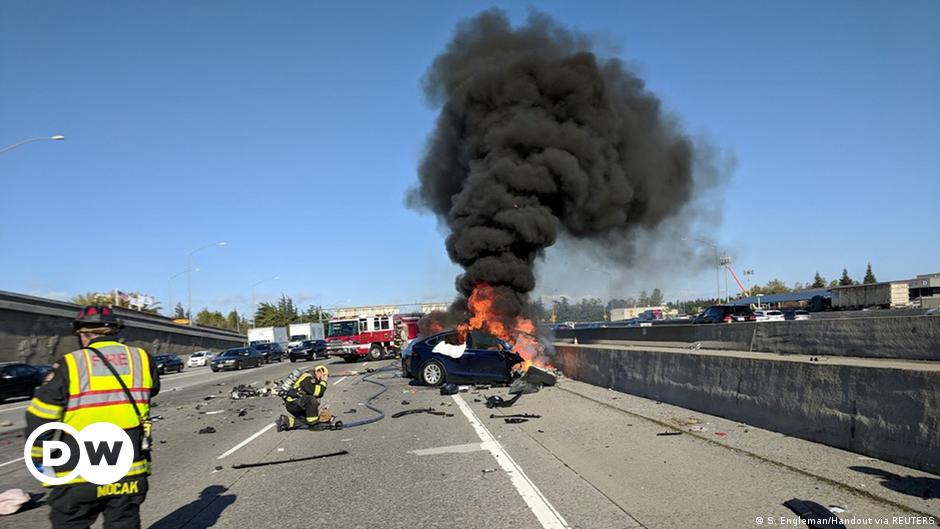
(105, 453)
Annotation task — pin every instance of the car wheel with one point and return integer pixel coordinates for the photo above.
(433, 373)
(179, 369)
(292, 359)
(404, 370)
(161, 370)
(238, 366)
(376, 352)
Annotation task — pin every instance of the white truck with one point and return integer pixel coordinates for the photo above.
(891, 295)
(299, 332)
(267, 335)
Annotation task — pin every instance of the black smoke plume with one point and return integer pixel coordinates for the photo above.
(537, 138)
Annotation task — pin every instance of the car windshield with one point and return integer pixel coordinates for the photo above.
(233, 352)
(263, 346)
(343, 328)
(297, 337)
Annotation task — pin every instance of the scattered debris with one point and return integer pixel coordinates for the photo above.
(669, 433)
(291, 460)
(7, 423)
(540, 431)
(697, 429)
(405, 402)
(242, 412)
(218, 467)
(207, 429)
(156, 418)
(685, 421)
(244, 392)
(216, 412)
(522, 415)
(480, 387)
(463, 389)
(477, 400)
(488, 470)
(721, 434)
(429, 411)
(813, 514)
(351, 410)
(837, 510)
(515, 420)
(495, 401)
(280, 449)
(11, 500)
(449, 389)
(209, 397)
(532, 381)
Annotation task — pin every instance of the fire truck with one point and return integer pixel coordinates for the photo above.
(374, 337)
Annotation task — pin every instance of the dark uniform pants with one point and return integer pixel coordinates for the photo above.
(78, 506)
(304, 410)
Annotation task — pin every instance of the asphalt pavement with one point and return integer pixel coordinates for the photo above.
(594, 459)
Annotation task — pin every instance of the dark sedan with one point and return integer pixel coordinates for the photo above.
(237, 359)
(725, 314)
(19, 380)
(270, 352)
(483, 359)
(168, 364)
(308, 350)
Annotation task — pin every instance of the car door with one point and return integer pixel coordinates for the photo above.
(483, 360)
(27, 378)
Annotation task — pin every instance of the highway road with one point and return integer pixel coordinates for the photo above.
(593, 460)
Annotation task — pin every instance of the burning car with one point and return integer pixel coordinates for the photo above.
(447, 357)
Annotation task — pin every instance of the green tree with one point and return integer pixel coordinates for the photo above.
(93, 298)
(656, 298)
(869, 276)
(208, 318)
(818, 281)
(179, 312)
(846, 280)
(644, 299)
(234, 321)
(776, 286)
(834, 283)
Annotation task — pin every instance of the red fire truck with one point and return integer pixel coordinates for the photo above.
(374, 337)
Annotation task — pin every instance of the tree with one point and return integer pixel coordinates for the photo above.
(644, 299)
(869, 276)
(123, 301)
(798, 286)
(179, 312)
(834, 283)
(209, 318)
(846, 280)
(818, 281)
(776, 286)
(93, 298)
(656, 299)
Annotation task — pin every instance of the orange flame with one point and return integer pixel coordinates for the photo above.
(518, 331)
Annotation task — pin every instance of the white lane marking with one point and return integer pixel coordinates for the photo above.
(246, 441)
(537, 502)
(14, 408)
(453, 449)
(11, 462)
(338, 381)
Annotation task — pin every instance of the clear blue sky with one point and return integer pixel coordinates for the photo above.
(291, 130)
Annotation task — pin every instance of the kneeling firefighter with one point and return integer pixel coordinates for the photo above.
(303, 401)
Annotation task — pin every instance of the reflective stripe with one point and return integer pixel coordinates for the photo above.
(44, 410)
(107, 396)
(136, 365)
(137, 468)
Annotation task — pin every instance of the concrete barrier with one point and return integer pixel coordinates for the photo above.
(881, 408)
(908, 337)
(38, 330)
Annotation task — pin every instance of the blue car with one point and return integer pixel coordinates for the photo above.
(486, 360)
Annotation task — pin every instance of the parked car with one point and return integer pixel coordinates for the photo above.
(236, 359)
(199, 359)
(725, 314)
(308, 350)
(168, 363)
(933, 312)
(768, 315)
(485, 359)
(271, 352)
(19, 380)
(796, 314)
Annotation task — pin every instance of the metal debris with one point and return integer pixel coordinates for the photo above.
(291, 460)
(515, 420)
(668, 433)
(207, 429)
(429, 411)
(522, 415)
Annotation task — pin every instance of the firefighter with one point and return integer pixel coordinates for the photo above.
(303, 401)
(83, 390)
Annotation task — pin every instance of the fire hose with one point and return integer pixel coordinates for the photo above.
(368, 403)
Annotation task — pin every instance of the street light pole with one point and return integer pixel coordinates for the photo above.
(717, 264)
(172, 277)
(57, 137)
(189, 278)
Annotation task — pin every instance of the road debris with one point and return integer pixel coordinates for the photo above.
(495, 401)
(449, 389)
(209, 397)
(661, 434)
(721, 434)
(488, 470)
(351, 410)
(814, 514)
(291, 460)
(837, 510)
(242, 412)
(515, 420)
(405, 402)
(520, 415)
(243, 392)
(532, 381)
(215, 412)
(429, 411)
(207, 429)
